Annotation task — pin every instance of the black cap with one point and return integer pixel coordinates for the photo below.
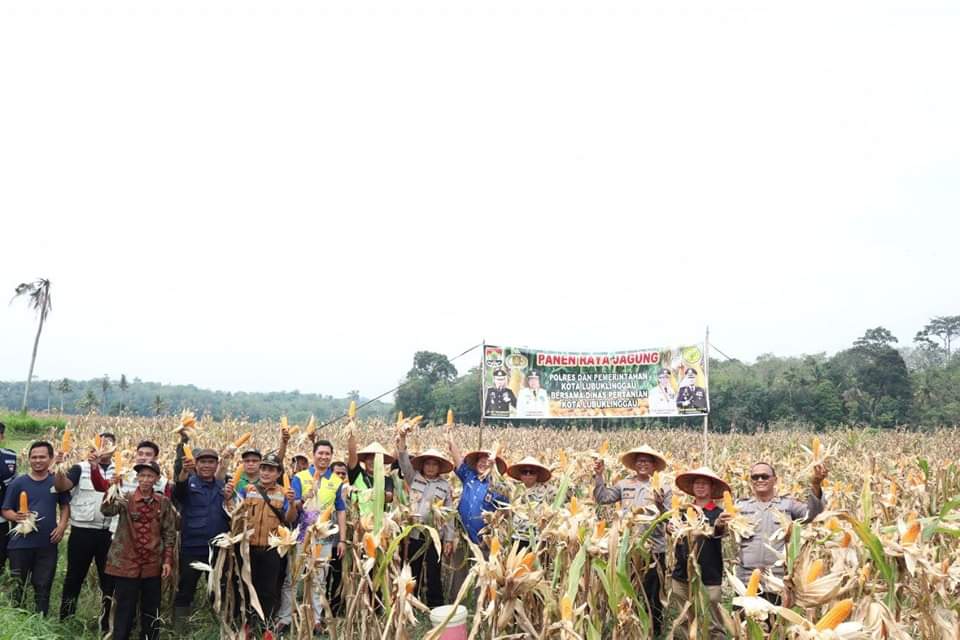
(152, 466)
(251, 451)
(271, 460)
(206, 453)
(663, 373)
(500, 372)
(533, 374)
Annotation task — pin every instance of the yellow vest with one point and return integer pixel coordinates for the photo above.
(326, 492)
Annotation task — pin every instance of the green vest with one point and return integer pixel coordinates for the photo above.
(362, 496)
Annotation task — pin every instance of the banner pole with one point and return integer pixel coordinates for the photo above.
(706, 382)
(483, 379)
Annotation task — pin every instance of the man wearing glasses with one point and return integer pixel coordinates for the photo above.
(765, 509)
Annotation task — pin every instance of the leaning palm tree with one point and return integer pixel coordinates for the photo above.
(39, 294)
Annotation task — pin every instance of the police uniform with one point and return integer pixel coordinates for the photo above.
(499, 401)
(691, 400)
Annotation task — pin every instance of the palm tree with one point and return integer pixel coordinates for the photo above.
(39, 294)
(158, 405)
(63, 387)
(105, 386)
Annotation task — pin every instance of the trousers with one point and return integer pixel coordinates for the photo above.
(680, 595)
(39, 565)
(83, 547)
(130, 592)
(187, 584)
(427, 563)
(267, 571)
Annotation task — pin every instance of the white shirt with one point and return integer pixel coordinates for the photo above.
(533, 403)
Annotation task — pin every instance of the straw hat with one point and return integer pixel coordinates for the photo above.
(471, 459)
(432, 454)
(543, 474)
(685, 480)
(373, 449)
(629, 458)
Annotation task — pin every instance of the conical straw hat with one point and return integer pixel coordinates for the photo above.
(471, 459)
(373, 449)
(685, 480)
(628, 459)
(445, 465)
(543, 473)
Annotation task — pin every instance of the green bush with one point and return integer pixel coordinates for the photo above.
(31, 425)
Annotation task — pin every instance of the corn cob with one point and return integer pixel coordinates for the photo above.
(600, 529)
(912, 533)
(352, 410)
(24, 503)
(604, 447)
(574, 506)
(675, 503)
(814, 572)
(816, 448)
(242, 440)
(449, 417)
(326, 513)
(369, 545)
(691, 514)
(283, 422)
(187, 452)
(286, 482)
(656, 482)
(566, 608)
(528, 559)
(311, 426)
(235, 478)
(753, 586)
(97, 442)
(494, 546)
(399, 417)
(67, 444)
(837, 614)
(728, 506)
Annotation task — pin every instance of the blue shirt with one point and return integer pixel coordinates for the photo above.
(476, 498)
(297, 487)
(203, 517)
(42, 502)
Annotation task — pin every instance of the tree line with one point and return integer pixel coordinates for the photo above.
(876, 382)
(135, 397)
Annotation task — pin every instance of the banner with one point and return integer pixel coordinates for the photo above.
(523, 383)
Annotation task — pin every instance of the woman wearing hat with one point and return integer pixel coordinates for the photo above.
(534, 476)
(360, 471)
(423, 473)
(637, 491)
(705, 486)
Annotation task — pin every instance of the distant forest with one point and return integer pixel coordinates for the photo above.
(876, 382)
(134, 397)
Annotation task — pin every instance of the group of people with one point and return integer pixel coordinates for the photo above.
(128, 523)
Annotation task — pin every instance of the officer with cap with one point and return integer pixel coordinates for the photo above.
(500, 398)
(251, 459)
(534, 402)
(690, 397)
(200, 495)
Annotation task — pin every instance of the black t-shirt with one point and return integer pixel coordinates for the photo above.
(710, 556)
(357, 471)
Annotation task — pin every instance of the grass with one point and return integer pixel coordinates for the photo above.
(32, 425)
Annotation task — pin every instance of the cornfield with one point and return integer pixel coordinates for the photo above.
(881, 561)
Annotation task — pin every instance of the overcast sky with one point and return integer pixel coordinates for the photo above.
(300, 195)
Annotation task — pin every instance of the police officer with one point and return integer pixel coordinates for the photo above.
(8, 471)
(500, 398)
(690, 397)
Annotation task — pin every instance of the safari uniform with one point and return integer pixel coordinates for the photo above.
(533, 403)
(499, 401)
(423, 493)
(635, 493)
(755, 552)
(691, 399)
(266, 565)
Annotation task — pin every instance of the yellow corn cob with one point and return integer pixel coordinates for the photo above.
(283, 422)
(846, 540)
(574, 506)
(97, 442)
(409, 587)
(528, 559)
(242, 440)
(326, 513)
(494, 546)
(449, 417)
(814, 572)
(235, 478)
(118, 465)
(352, 410)
(600, 529)
(563, 459)
(311, 426)
(491, 592)
(753, 586)
(286, 482)
(655, 481)
(187, 452)
(369, 545)
(566, 608)
(912, 533)
(865, 573)
(317, 552)
(67, 443)
(292, 430)
(24, 503)
(816, 447)
(675, 503)
(691, 514)
(604, 447)
(833, 524)
(728, 506)
(399, 417)
(837, 614)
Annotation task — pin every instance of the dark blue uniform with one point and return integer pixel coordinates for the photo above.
(8, 470)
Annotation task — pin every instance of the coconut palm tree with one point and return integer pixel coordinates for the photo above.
(38, 292)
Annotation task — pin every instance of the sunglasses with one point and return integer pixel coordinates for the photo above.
(760, 476)
(528, 472)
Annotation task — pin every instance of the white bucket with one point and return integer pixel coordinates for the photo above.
(456, 628)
